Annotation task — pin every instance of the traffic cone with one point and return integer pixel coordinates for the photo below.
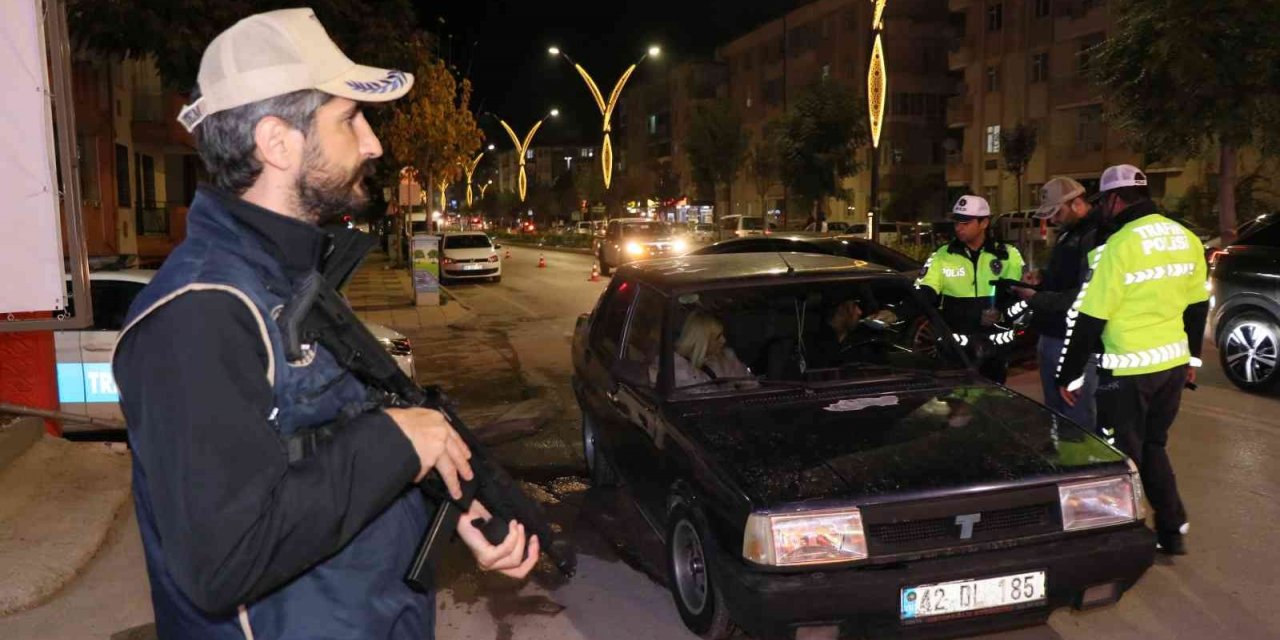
(542, 262)
(595, 273)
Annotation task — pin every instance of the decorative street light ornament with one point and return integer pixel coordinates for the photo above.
(471, 169)
(606, 106)
(877, 83)
(522, 149)
(877, 21)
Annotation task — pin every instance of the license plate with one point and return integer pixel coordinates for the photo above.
(961, 597)
(472, 267)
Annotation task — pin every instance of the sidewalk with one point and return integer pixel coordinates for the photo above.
(381, 293)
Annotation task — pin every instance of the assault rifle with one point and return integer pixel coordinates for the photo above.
(318, 313)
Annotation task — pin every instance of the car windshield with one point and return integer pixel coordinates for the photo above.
(706, 227)
(467, 242)
(645, 229)
(815, 334)
(753, 224)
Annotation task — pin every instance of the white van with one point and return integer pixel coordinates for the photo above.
(737, 226)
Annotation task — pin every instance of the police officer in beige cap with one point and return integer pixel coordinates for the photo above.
(1063, 201)
(245, 534)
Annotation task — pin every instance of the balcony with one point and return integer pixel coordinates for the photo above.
(155, 121)
(959, 58)
(1072, 92)
(959, 111)
(957, 170)
(959, 6)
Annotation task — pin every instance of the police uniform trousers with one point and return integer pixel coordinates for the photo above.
(1138, 411)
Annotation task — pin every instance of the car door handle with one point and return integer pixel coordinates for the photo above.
(108, 347)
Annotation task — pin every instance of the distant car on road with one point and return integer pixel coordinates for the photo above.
(1244, 306)
(738, 226)
(891, 491)
(630, 239)
(86, 385)
(469, 255)
(702, 232)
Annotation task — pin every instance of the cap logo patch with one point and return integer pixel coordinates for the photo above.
(1139, 178)
(964, 202)
(192, 115)
(393, 81)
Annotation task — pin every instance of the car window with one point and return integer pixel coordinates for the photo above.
(644, 333)
(706, 227)
(1265, 234)
(111, 300)
(729, 224)
(752, 224)
(645, 229)
(884, 256)
(613, 229)
(467, 242)
(606, 332)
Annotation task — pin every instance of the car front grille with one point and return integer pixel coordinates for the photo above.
(471, 272)
(468, 260)
(928, 526)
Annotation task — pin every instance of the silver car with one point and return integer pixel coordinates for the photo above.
(86, 385)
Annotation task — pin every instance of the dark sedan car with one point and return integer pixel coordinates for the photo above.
(1244, 316)
(855, 247)
(862, 485)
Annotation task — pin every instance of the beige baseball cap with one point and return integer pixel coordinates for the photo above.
(278, 52)
(1057, 192)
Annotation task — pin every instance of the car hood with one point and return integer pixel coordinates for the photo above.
(852, 445)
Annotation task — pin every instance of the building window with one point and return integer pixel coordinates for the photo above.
(653, 124)
(993, 79)
(89, 190)
(826, 70)
(748, 101)
(995, 17)
(528, 155)
(1087, 43)
(992, 195)
(122, 176)
(993, 139)
(1089, 128)
(1040, 67)
(1043, 8)
(773, 93)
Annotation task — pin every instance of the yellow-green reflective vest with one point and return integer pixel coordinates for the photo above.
(1140, 282)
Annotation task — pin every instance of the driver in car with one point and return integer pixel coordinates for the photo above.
(702, 354)
(849, 336)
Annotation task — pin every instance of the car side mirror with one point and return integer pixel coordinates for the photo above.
(582, 321)
(631, 372)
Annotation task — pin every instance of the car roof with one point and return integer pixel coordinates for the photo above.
(742, 268)
(465, 233)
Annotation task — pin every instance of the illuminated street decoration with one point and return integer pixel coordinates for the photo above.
(444, 187)
(606, 106)
(470, 170)
(522, 149)
(483, 187)
(877, 21)
(877, 83)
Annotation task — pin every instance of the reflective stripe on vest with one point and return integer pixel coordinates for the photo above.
(1154, 356)
(1016, 309)
(1175, 270)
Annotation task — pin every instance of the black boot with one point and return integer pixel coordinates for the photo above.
(1171, 543)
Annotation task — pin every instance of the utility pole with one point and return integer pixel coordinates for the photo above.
(877, 85)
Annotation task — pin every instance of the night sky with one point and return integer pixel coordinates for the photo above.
(501, 45)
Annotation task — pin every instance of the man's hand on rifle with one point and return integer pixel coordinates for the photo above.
(508, 558)
(438, 446)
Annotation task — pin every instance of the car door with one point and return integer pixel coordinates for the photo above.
(640, 437)
(612, 237)
(111, 300)
(603, 343)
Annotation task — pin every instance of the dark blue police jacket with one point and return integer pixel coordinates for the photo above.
(358, 592)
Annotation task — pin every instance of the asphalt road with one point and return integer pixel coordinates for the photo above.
(515, 348)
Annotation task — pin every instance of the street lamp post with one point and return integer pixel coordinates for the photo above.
(606, 106)
(470, 170)
(877, 85)
(484, 187)
(522, 146)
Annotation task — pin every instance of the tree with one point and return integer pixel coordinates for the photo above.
(764, 162)
(434, 130)
(1016, 147)
(819, 137)
(716, 146)
(1182, 75)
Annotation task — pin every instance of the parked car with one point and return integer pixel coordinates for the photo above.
(702, 232)
(848, 246)
(469, 255)
(830, 226)
(86, 385)
(738, 226)
(629, 239)
(1244, 306)
(899, 492)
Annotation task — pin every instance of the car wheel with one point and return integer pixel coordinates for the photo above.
(699, 601)
(1248, 351)
(604, 266)
(598, 468)
(496, 279)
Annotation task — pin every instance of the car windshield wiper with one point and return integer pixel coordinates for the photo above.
(760, 380)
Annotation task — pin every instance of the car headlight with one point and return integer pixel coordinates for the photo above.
(817, 537)
(635, 249)
(1100, 503)
(679, 246)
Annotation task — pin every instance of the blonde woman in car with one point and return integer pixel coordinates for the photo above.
(702, 354)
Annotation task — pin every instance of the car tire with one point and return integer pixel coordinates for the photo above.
(496, 279)
(1248, 341)
(697, 597)
(604, 266)
(598, 468)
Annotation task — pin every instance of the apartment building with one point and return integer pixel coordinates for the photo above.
(1023, 62)
(831, 40)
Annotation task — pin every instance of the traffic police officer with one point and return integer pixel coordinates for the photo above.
(961, 277)
(1145, 298)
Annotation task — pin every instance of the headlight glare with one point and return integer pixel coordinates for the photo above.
(635, 249)
(1097, 503)
(819, 537)
(679, 246)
